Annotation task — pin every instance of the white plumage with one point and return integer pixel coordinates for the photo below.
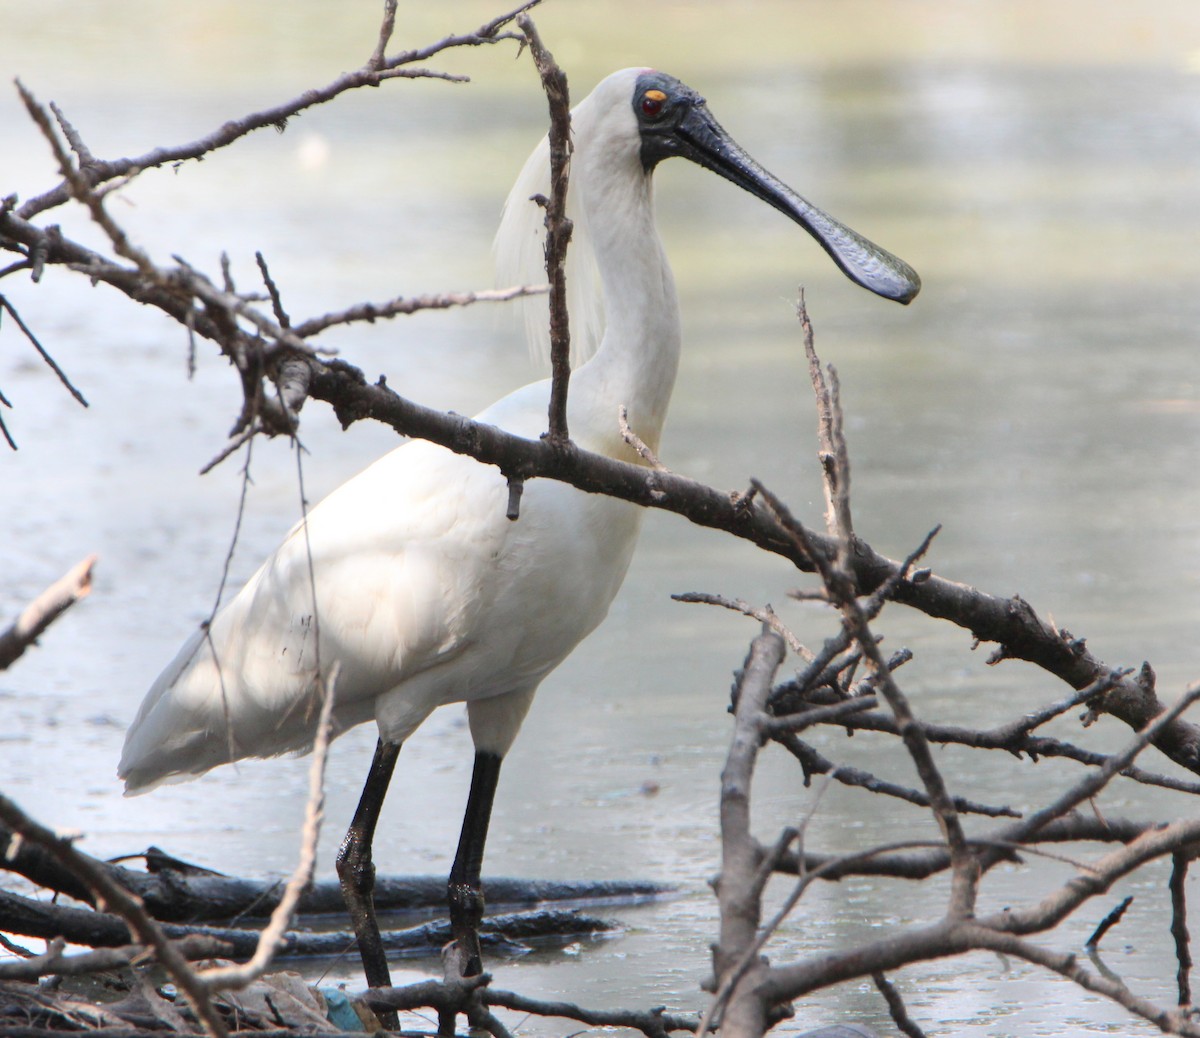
(426, 594)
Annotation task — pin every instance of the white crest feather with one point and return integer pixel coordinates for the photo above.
(519, 251)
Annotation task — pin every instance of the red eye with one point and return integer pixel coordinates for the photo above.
(652, 102)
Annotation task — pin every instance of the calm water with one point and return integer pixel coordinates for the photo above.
(1040, 400)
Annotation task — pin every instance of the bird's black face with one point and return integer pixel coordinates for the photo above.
(663, 105)
(674, 120)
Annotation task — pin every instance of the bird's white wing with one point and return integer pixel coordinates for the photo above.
(394, 553)
(425, 594)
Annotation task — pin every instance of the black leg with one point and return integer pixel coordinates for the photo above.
(465, 891)
(356, 870)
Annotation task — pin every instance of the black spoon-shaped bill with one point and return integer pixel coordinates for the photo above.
(675, 120)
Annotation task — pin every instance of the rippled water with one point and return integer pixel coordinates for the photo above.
(1036, 163)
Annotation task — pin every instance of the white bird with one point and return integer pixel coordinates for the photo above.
(425, 593)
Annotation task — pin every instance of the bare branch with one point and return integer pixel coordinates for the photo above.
(75, 584)
(1179, 928)
(388, 26)
(109, 894)
(86, 158)
(558, 227)
(1094, 781)
(54, 962)
(1067, 965)
(896, 1006)
(997, 932)
(831, 443)
(831, 714)
(7, 306)
(743, 1013)
(273, 289)
(1107, 923)
(277, 116)
(83, 190)
(371, 312)
(636, 442)
(1009, 739)
(764, 615)
(435, 994)
(840, 587)
(815, 763)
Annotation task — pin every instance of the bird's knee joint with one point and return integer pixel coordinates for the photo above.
(466, 903)
(355, 867)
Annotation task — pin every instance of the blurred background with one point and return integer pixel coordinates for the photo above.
(1036, 163)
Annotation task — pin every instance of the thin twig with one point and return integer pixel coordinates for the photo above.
(896, 1006)
(1067, 965)
(371, 312)
(763, 614)
(50, 361)
(831, 450)
(83, 190)
(272, 289)
(840, 587)
(839, 582)
(86, 158)
(831, 714)
(1179, 927)
(653, 1023)
(814, 763)
(1107, 923)
(636, 442)
(386, 28)
(1009, 739)
(1096, 780)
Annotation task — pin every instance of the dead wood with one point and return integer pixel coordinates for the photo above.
(47, 607)
(177, 892)
(42, 919)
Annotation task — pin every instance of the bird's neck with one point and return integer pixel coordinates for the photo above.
(638, 357)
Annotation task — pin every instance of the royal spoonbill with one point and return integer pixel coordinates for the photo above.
(425, 594)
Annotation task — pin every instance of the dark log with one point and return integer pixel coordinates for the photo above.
(179, 892)
(185, 897)
(500, 933)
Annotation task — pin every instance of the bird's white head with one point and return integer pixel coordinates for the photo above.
(633, 120)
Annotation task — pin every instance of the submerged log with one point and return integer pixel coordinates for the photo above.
(174, 891)
(500, 933)
(178, 897)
